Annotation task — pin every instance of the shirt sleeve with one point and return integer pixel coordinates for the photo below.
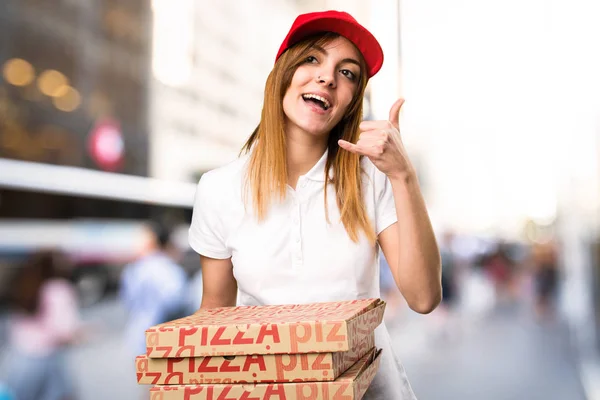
(207, 234)
(385, 210)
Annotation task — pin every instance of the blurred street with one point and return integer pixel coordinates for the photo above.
(113, 111)
(505, 355)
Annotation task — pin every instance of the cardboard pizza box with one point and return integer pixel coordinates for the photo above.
(256, 368)
(351, 385)
(283, 329)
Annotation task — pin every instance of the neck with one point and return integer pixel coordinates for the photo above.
(303, 152)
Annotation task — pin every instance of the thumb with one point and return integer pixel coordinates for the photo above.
(395, 113)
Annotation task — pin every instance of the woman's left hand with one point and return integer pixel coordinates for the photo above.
(381, 142)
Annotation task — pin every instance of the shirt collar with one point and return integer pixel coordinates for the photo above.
(317, 172)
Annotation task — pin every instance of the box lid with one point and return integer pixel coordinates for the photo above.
(283, 329)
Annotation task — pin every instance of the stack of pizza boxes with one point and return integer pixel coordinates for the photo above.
(318, 351)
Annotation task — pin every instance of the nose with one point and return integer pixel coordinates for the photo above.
(326, 79)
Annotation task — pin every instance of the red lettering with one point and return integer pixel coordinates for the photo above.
(204, 366)
(275, 390)
(152, 339)
(155, 375)
(224, 393)
(265, 331)
(339, 394)
(174, 375)
(319, 364)
(240, 339)
(157, 395)
(254, 359)
(333, 336)
(166, 349)
(142, 364)
(204, 338)
(183, 332)
(217, 341)
(184, 348)
(246, 396)
(319, 332)
(225, 367)
(165, 328)
(295, 339)
(171, 362)
(304, 361)
(190, 390)
(281, 367)
(301, 392)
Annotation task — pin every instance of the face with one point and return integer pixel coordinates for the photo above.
(322, 88)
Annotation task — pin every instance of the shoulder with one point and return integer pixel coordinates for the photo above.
(224, 180)
(233, 170)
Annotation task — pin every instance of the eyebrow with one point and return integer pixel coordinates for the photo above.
(344, 61)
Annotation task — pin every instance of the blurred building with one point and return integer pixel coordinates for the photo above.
(73, 92)
(210, 61)
(74, 87)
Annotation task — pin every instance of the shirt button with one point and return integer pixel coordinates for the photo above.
(296, 221)
(297, 239)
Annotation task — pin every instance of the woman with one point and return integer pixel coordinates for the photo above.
(300, 216)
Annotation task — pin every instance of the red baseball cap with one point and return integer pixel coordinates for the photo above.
(341, 23)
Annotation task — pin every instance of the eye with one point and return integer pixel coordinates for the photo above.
(348, 74)
(311, 59)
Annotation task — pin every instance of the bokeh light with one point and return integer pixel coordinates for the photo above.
(52, 83)
(18, 72)
(67, 99)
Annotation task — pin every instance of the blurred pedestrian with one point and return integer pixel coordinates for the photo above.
(450, 272)
(448, 325)
(44, 322)
(546, 275)
(501, 269)
(301, 215)
(153, 288)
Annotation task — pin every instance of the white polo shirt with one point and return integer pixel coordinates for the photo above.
(294, 255)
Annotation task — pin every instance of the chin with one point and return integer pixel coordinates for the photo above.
(316, 130)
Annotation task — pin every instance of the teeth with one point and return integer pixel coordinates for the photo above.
(321, 99)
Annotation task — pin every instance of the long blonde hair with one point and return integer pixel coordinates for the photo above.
(267, 167)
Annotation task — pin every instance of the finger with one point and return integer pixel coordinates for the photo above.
(395, 113)
(372, 135)
(373, 125)
(351, 147)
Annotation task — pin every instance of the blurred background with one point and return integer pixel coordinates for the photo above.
(110, 111)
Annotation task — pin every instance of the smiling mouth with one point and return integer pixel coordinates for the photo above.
(318, 100)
